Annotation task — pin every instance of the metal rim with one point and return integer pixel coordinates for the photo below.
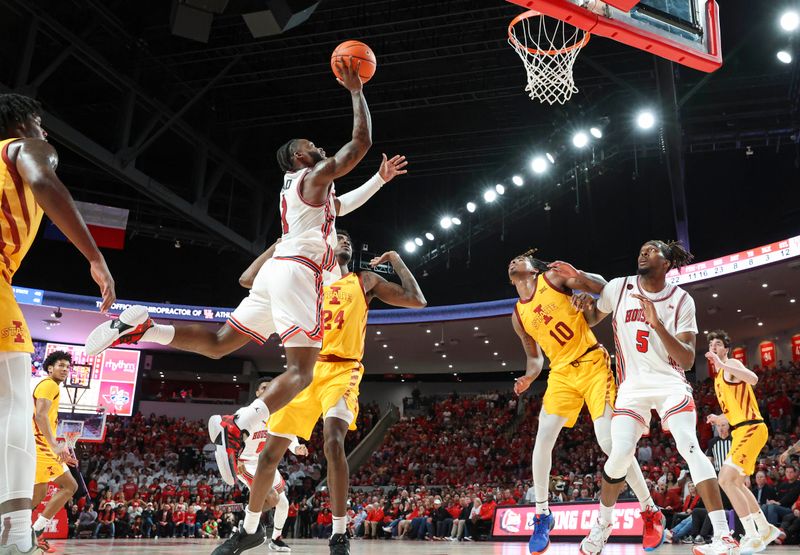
(533, 13)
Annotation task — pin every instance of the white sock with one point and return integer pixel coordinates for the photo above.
(339, 525)
(606, 514)
(250, 417)
(542, 508)
(749, 525)
(281, 513)
(159, 333)
(40, 523)
(719, 520)
(761, 522)
(251, 520)
(648, 504)
(277, 533)
(17, 530)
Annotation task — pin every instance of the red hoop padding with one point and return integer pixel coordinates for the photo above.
(533, 13)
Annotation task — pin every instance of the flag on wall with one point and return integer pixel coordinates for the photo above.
(107, 225)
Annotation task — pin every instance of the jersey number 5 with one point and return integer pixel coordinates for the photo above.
(642, 340)
(327, 316)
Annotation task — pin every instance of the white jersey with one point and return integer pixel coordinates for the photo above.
(643, 364)
(255, 443)
(308, 229)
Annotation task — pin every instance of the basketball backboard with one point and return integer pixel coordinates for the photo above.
(90, 421)
(684, 31)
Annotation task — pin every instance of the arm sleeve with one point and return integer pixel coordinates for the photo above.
(686, 318)
(608, 298)
(349, 202)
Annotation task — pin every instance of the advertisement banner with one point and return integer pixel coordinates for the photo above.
(116, 397)
(58, 527)
(573, 519)
(740, 354)
(796, 348)
(768, 354)
(120, 365)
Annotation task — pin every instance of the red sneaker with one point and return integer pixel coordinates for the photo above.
(126, 329)
(42, 543)
(224, 432)
(654, 529)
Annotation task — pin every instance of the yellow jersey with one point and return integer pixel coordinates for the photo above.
(344, 318)
(20, 217)
(557, 327)
(737, 400)
(48, 388)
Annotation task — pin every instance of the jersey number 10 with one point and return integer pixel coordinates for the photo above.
(564, 333)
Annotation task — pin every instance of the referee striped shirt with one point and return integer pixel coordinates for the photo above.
(718, 448)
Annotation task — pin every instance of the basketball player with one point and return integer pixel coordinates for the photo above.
(248, 462)
(51, 455)
(29, 188)
(546, 322)
(655, 333)
(333, 393)
(733, 384)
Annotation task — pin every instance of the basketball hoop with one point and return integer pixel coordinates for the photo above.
(71, 439)
(548, 47)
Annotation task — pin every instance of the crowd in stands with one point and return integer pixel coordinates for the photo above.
(436, 476)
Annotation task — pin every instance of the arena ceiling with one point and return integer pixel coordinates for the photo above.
(183, 134)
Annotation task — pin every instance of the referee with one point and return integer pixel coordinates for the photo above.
(720, 445)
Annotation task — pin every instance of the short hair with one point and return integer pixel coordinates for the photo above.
(674, 251)
(345, 233)
(285, 155)
(265, 379)
(54, 357)
(722, 335)
(539, 265)
(15, 109)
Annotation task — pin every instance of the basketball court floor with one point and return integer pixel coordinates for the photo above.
(357, 547)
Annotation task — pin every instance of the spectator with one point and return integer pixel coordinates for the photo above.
(441, 521)
(148, 522)
(322, 528)
(87, 520)
(72, 521)
(122, 523)
(163, 521)
(210, 529)
(788, 492)
(762, 491)
(105, 522)
(179, 521)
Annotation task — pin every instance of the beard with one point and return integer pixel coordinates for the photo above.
(643, 271)
(316, 156)
(344, 257)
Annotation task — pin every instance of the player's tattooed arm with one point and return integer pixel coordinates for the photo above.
(407, 295)
(587, 304)
(248, 277)
(534, 359)
(571, 277)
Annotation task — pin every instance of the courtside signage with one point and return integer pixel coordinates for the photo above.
(571, 520)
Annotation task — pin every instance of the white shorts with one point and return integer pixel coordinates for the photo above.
(249, 472)
(639, 406)
(286, 298)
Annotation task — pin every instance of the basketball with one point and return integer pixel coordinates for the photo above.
(352, 51)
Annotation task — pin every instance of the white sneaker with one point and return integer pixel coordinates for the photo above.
(718, 546)
(127, 328)
(278, 545)
(220, 453)
(774, 533)
(14, 550)
(751, 544)
(596, 540)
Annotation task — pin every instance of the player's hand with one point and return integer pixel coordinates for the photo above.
(522, 384)
(650, 314)
(392, 167)
(350, 78)
(301, 450)
(61, 451)
(71, 459)
(783, 458)
(714, 358)
(388, 256)
(582, 301)
(102, 277)
(564, 270)
(715, 419)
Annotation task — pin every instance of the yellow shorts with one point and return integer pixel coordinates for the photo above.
(748, 441)
(588, 380)
(15, 336)
(48, 466)
(333, 392)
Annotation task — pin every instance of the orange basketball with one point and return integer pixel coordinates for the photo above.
(353, 51)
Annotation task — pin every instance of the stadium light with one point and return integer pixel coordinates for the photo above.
(517, 180)
(790, 20)
(456, 220)
(596, 132)
(500, 189)
(550, 158)
(784, 57)
(580, 139)
(539, 165)
(410, 247)
(418, 241)
(645, 119)
(429, 236)
(446, 222)
(471, 206)
(489, 196)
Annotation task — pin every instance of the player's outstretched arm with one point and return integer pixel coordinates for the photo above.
(316, 183)
(36, 163)
(249, 275)
(533, 355)
(587, 304)
(567, 275)
(389, 169)
(735, 368)
(407, 295)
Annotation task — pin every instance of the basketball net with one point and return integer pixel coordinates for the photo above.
(71, 439)
(548, 48)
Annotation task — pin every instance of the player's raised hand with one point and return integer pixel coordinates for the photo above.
(350, 78)
(650, 314)
(522, 384)
(564, 269)
(582, 301)
(301, 450)
(102, 277)
(392, 167)
(388, 256)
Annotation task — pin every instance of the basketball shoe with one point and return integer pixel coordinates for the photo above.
(241, 541)
(14, 550)
(339, 544)
(229, 441)
(653, 532)
(718, 546)
(540, 539)
(278, 545)
(751, 544)
(596, 540)
(43, 544)
(126, 329)
(773, 534)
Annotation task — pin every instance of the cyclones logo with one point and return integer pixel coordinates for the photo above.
(511, 521)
